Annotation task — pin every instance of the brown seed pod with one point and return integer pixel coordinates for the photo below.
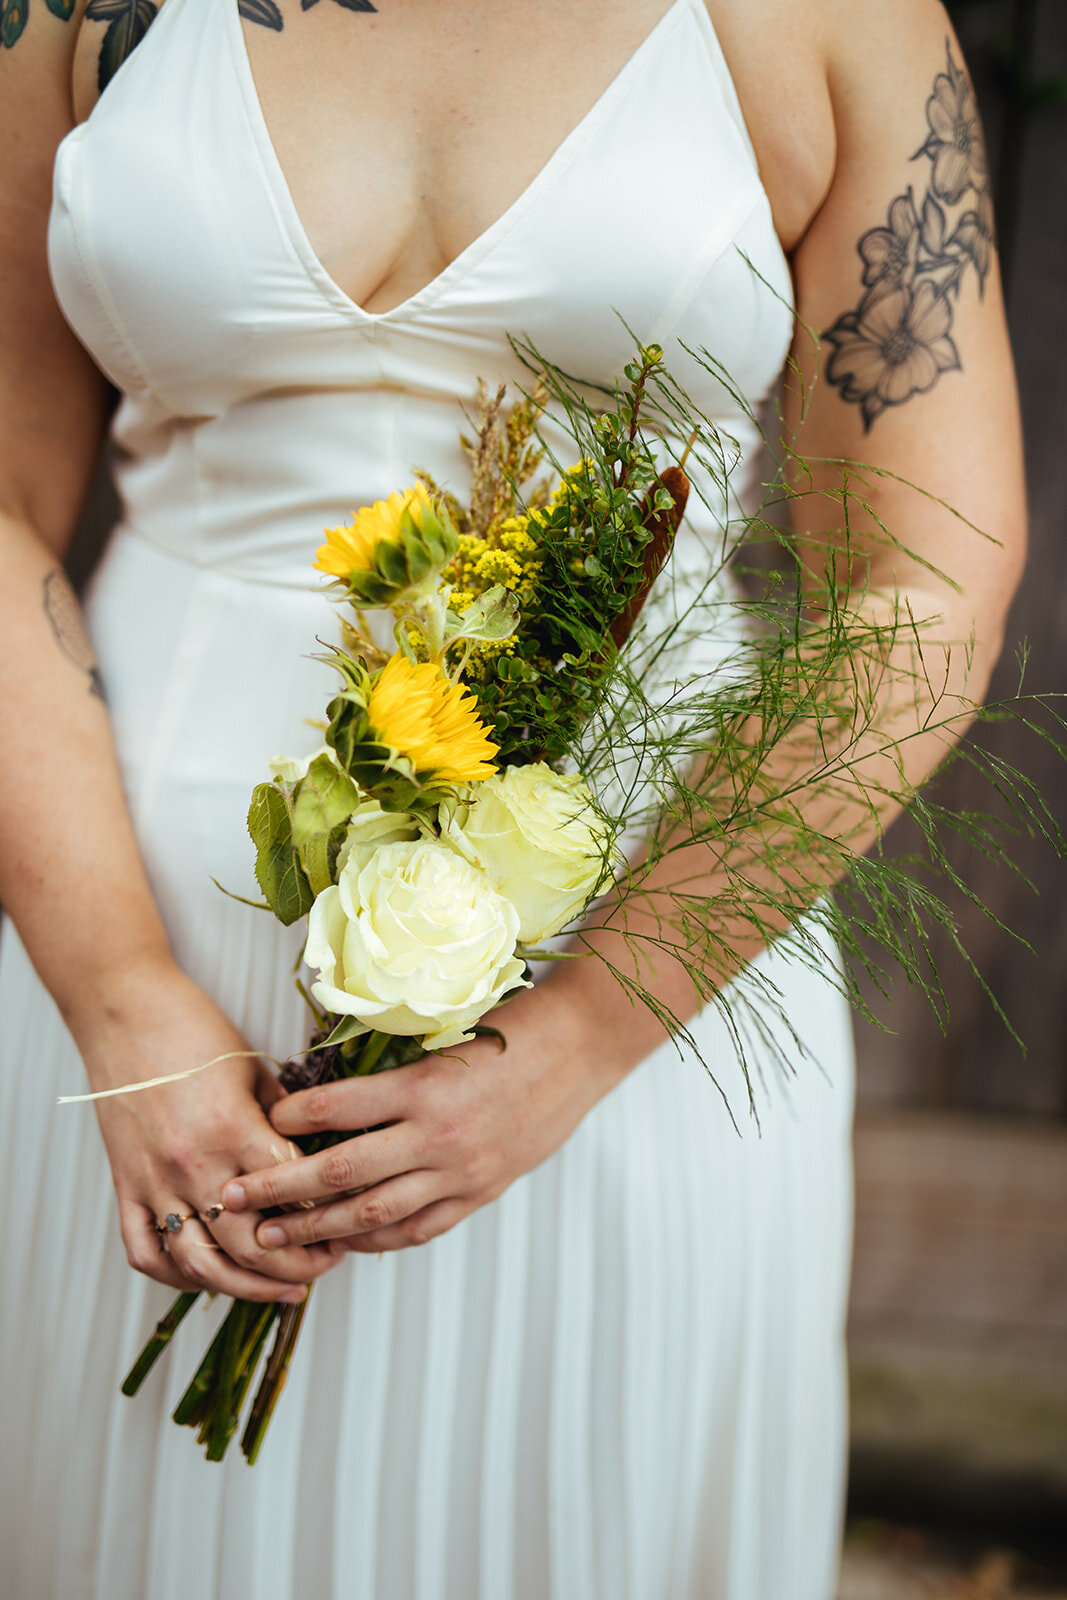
(663, 525)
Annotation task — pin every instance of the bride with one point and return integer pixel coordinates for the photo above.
(576, 1337)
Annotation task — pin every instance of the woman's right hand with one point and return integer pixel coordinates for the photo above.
(173, 1147)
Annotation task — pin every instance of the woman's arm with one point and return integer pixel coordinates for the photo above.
(71, 876)
(911, 374)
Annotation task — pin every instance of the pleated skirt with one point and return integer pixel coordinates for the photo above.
(623, 1380)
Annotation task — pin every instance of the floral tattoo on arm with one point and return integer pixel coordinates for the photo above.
(898, 342)
(68, 629)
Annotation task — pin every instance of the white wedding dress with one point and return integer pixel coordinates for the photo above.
(624, 1380)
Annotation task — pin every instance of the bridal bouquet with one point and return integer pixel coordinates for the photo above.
(507, 705)
(439, 836)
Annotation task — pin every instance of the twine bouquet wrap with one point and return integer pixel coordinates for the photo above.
(470, 798)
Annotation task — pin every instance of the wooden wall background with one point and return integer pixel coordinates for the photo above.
(1017, 50)
(958, 1322)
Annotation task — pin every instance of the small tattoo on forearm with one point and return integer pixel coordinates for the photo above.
(897, 342)
(68, 628)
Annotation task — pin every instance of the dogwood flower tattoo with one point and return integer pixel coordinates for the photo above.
(897, 342)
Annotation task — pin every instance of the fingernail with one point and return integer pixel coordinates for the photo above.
(234, 1197)
(271, 1237)
(293, 1297)
(336, 1248)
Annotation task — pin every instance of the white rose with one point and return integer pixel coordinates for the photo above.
(538, 837)
(413, 940)
(369, 827)
(290, 769)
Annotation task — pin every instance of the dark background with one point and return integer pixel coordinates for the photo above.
(958, 1324)
(1017, 52)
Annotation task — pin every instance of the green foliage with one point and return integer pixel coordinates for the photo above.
(781, 754)
(493, 617)
(323, 798)
(279, 872)
(403, 567)
(591, 537)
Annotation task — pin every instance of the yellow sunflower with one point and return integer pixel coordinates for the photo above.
(416, 711)
(351, 549)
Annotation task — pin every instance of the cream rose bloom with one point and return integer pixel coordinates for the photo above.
(290, 769)
(413, 940)
(369, 827)
(538, 837)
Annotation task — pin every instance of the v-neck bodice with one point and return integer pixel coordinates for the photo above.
(483, 242)
(261, 400)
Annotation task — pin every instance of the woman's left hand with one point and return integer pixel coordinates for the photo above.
(450, 1132)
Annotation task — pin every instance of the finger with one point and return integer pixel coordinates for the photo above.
(234, 1227)
(379, 1207)
(206, 1265)
(347, 1106)
(267, 1087)
(236, 1235)
(352, 1164)
(419, 1228)
(144, 1249)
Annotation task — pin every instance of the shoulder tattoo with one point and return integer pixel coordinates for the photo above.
(268, 14)
(14, 14)
(68, 629)
(127, 22)
(898, 341)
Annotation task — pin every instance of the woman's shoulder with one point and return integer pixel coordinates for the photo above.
(800, 68)
(69, 50)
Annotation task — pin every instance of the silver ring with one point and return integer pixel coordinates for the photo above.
(172, 1222)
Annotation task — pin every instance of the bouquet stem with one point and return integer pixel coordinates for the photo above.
(289, 1322)
(190, 1408)
(241, 1349)
(165, 1330)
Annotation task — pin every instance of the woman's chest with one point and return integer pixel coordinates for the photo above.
(404, 132)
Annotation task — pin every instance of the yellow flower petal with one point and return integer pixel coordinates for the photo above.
(416, 711)
(351, 549)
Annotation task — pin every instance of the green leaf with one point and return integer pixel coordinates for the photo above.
(324, 797)
(315, 860)
(61, 8)
(278, 870)
(348, 728)
(493, 616)
(347, 1028)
